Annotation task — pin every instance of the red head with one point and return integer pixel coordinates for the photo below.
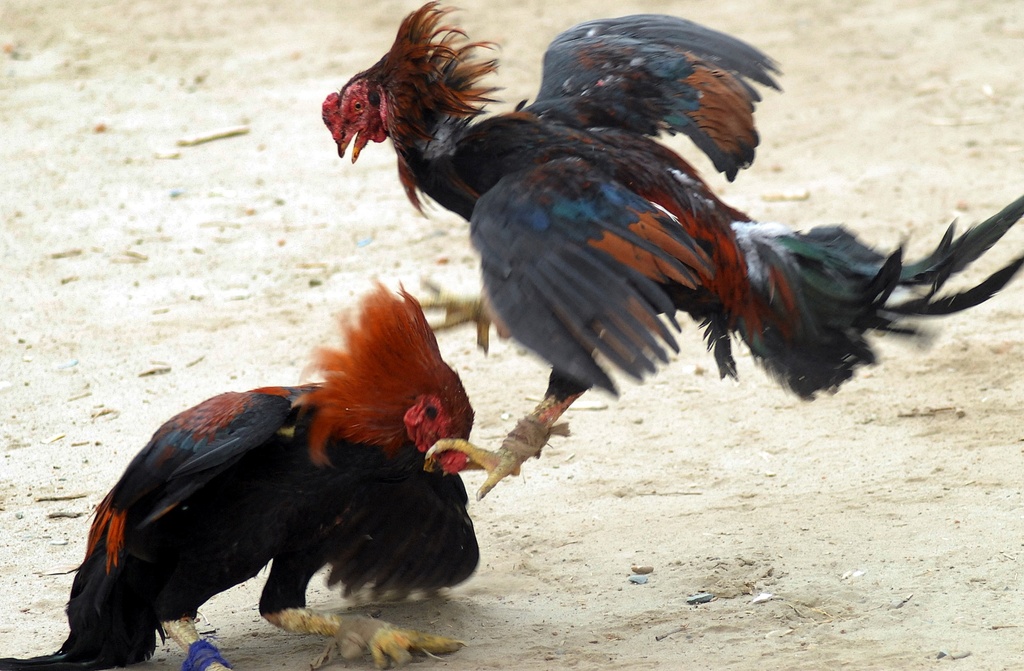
(428, 74)
(359, 111)
(389, 387)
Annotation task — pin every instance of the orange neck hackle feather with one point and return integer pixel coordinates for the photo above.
(390, 360)
(429, 75)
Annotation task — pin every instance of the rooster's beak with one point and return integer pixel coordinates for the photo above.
(342, 141)
(357, 146)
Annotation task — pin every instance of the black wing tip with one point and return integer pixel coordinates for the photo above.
(729, 164)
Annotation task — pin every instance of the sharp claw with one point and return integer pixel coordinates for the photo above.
(395, 646)
(526, 440)
(458, 310)
(499, 464)
(480, 458)
(509, 463)
(353, 636)
(483, 334)
(485, 489)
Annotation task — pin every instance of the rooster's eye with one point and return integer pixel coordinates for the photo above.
(358, 106)
(431, 412)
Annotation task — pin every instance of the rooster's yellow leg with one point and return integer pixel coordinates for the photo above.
(183, 632)
(459, 309)
(354, 635)
(526, 440)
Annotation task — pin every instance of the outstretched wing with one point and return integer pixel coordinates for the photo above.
(652, 73)
(571, 264)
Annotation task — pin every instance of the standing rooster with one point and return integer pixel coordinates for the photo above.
(324, 474)
(589, 229)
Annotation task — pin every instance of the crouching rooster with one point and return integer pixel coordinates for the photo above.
(303, 477)
(589, 229)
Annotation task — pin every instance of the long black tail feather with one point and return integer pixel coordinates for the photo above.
(111, 623)
(844, 289)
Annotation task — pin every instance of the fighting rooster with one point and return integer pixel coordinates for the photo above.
(322, 474)
(589, 229)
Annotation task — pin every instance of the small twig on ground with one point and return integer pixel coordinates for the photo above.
(210, 136)
(670, 633)
(60, 497)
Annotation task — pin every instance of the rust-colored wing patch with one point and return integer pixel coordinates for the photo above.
(651, 228)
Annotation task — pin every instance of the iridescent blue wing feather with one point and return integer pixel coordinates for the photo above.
(651, 74)
(569, 269)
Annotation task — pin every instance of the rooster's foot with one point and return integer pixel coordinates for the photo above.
(459, 309)
(388, 645)
(355, 635)
(526, 440)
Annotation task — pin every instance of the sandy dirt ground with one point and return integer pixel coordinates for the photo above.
(886, 520)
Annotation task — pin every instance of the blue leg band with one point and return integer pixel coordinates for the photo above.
(201, 654)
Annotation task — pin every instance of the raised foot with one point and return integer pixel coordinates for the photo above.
(388, 645)
(458, 310)
(499, 463)
(526, 440)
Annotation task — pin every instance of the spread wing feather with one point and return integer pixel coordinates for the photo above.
(652, 73)
(562, 290)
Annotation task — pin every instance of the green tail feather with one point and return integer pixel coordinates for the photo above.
(845, 289)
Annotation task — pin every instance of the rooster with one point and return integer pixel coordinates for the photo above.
(589, 230)
(322, 474)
